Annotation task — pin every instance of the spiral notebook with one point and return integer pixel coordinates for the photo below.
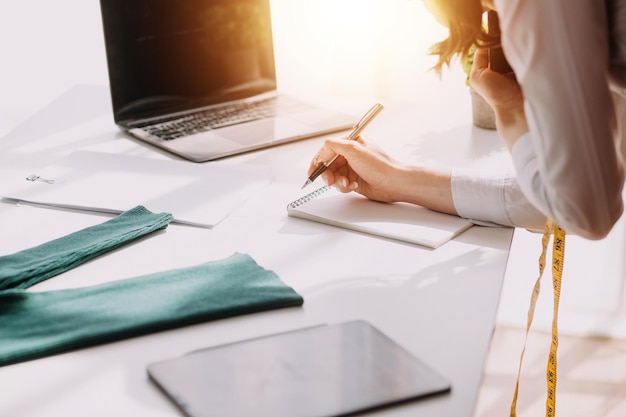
(400, 221)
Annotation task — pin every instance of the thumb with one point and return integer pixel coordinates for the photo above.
(349, 149)
(481, 59)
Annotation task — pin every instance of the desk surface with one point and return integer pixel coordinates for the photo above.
(439, 304)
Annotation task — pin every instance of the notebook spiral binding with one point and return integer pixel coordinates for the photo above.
(309, 196)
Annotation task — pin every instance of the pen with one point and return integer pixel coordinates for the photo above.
(356, 131)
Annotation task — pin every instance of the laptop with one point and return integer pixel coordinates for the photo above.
(197, 78)
(322, 371)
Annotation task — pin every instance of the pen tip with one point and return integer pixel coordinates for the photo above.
(306, 183)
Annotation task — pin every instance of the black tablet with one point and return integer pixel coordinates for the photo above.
(320, 371)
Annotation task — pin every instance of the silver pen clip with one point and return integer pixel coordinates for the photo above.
(34, 177)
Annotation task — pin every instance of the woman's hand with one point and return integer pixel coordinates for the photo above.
(365, 168)
(361, 167)
(503, 94)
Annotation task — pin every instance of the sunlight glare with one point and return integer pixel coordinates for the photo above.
(352, 47)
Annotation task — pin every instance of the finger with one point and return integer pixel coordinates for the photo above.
(353, 179)
(338, 173)
(329, 177)
(343, 147)
(324, 154)
(481, 59)
(343, 184)
(315, 163)
(480, 73)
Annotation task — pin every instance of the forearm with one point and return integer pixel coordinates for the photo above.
(425, 186)
(485, 197)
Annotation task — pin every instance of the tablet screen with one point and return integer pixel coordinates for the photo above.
(318, 371)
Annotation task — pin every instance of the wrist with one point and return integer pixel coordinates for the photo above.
(511, 124)
(425, 186)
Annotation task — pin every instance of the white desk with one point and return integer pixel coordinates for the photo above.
(439, 304)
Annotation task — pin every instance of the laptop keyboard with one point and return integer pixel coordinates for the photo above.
(214, 118)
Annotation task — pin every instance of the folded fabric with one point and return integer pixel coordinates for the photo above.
(38, 324)
(31, 266)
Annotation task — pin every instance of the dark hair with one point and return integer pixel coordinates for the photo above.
(465, 30)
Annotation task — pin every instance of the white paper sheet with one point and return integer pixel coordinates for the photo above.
(195, 194)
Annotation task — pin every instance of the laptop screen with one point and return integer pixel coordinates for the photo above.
(167, 56)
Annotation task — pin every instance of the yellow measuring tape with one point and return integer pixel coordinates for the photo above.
(558, 257)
